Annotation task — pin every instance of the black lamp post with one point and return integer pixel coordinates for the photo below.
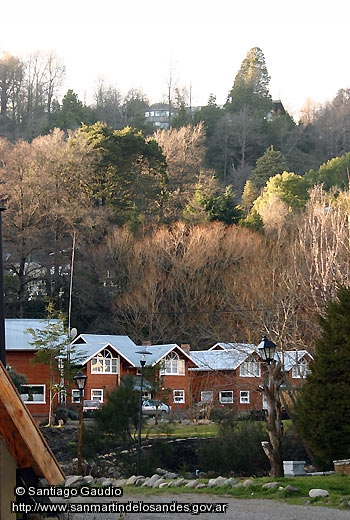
(267, 350)
(143, 354)
(80, 381)
(271, 388)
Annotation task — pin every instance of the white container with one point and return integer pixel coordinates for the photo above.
(292, 468)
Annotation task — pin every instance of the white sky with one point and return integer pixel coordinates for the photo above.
(137, 43)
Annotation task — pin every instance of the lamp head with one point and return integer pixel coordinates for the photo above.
(267, 349)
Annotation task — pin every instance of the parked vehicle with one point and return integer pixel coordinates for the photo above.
(89, 407)
(153, 407)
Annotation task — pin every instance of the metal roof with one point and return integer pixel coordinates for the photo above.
(223, 359)
(16, 335)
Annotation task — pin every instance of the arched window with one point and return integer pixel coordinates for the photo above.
(104, 363)
(173, 364)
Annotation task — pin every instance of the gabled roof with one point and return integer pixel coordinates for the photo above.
(22, 437)
(235, 346)
(290, 358)
(16, 335)
(92, 344)
(222, 359)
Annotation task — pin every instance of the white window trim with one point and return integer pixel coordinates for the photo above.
(34, 401)
(225, 401)
(102, 357)
(181, 395)
(250, 369)
(75, 392)
(96, 390)
(300, 370)
(208, 393)
(169, 365)
(246, 399)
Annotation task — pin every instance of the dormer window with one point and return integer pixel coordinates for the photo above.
(250, 368)
(301, 369)
(173, 365)
(104, 363)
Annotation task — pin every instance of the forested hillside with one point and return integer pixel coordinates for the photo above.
(231, 224)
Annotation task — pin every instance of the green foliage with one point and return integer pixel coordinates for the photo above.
(270, 164)
(251, 85)
(130, 171)
(323, 406)
(289, 187)
(223, 207)
(182, 117)
(17, 379)
(120, 415)
(333, 173)
(71, 114)
(237, 449)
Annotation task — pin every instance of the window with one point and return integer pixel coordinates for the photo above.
(300, 369)
(244, 397)
(33, 393)
(250, 368)
(226, 396)
(173, 364)
(207, 396)
(97, 395)
(75, 396)
(178, 396)
(104, 363)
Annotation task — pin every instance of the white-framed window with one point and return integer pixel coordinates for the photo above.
(97, 394)
(226, 396)
(244, 397)
(104, 363)
(75, 396)
(33, 394)
(173, 365)
(301, 369)
(178, 396)
(207, 396)
(250, 368)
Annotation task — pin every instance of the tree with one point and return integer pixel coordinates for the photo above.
(51, 344)
(251, 85)
(268, 165)
(323, 406)
(11, 77)
(119, 416)
(71, 114)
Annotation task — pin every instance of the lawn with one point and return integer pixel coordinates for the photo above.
(183, 430)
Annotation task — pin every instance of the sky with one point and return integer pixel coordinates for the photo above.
(201, 45)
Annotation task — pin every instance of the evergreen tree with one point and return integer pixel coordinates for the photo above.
(251, 85)
(324, 402)
(268, 165)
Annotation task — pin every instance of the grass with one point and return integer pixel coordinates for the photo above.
(166, 429)
(337, 485)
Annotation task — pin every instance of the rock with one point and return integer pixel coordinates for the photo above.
(191, 484)
(170, 475)
(290, 489)
(315, 493)
(217, 482)
(200, 485)
(153, 479)
(271, 485)
(163, 485)
(231, 481)
(247, 483)
(180, 482)
(158, 482)
(88, 479)
(73, 480)
(139, 481)
(131, 480)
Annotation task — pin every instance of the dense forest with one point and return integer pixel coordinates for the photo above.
(232, 223)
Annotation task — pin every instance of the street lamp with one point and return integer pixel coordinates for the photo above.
(80, 381)
(143, 352)
(267, 350)
(271, 388)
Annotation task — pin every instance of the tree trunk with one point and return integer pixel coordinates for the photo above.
(273, 448)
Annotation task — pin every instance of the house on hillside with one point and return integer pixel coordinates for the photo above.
(231, 374)
(105, 359)
(109, 358)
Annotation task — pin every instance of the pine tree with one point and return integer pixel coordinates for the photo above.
(268, 165)
(324, 402)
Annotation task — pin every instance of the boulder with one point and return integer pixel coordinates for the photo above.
(315, 493)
